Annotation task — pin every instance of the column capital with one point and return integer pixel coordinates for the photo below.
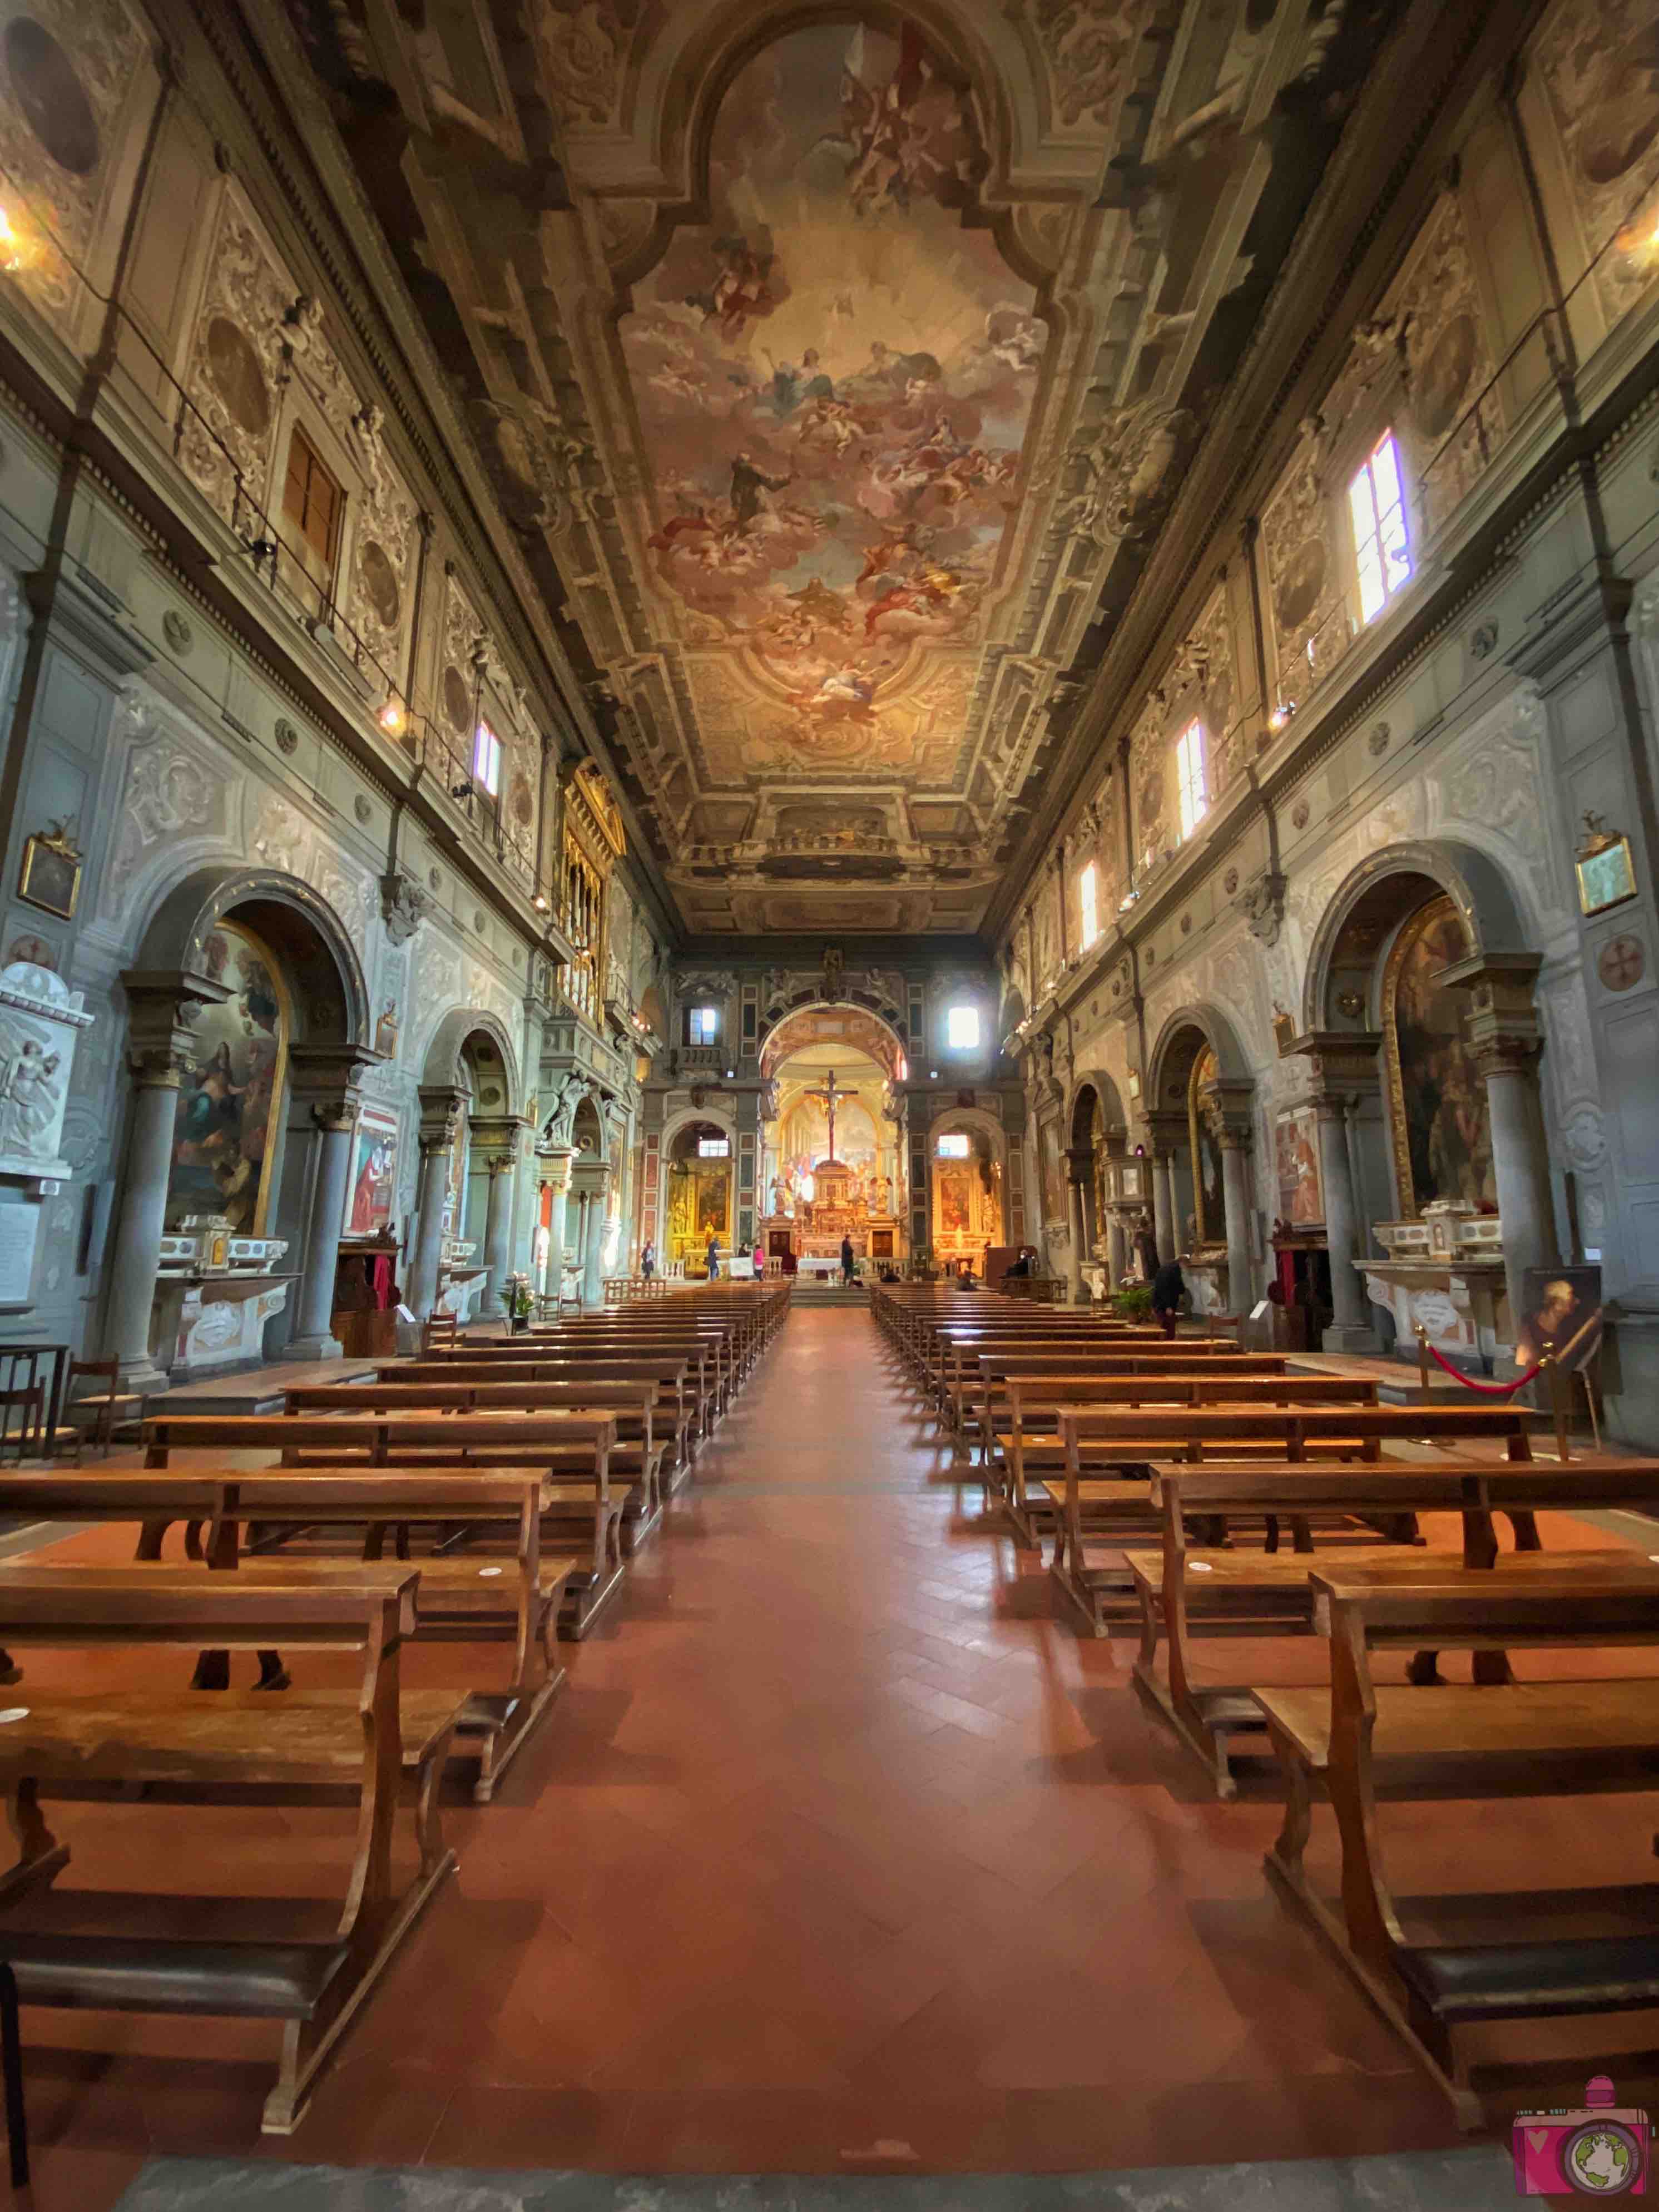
(1503, 1020)
(1341, 1062)
(1080, 1163)
(327, 1075)
(163, 1005)
(441, 1108)
(336, 1116)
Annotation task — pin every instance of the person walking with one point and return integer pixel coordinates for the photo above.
(1168, 1288)
(648, 1261)
(848, 1262)
(714, 1258)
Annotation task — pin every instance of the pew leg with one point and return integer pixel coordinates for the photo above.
(212, 1671)
(1527, 1538)
(150, 1540)
(273, 1676)
(1423, 1669)
(1292, 1841)
(9, 1669)
(11, 2060)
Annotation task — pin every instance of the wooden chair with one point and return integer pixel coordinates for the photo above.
(103, 1405)
(28, 1398)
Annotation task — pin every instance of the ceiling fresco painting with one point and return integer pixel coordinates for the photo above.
(833, 382)
(836, 372)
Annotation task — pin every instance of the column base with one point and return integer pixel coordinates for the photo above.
(1341, 1338)
(144, 1377)
(313, 1348)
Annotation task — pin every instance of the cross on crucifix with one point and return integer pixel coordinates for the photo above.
(827, 1098)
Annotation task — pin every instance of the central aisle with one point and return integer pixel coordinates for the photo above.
(836, 1854)
(828, 1859)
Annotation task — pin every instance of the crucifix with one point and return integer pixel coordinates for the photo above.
(827, 1098)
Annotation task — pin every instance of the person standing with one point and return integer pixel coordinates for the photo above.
(648, 1261)
(713, 1256)
(848, 1262)
(1168, 1288)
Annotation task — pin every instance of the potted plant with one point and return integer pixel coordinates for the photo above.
(1133, 1302)
(517, 1302)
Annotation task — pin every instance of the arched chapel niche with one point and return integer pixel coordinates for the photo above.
(968, 1169)
(1201, 1119)
(700, 1189)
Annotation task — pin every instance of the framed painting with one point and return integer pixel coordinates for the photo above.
(373, 1173)
(51, 875)
(229, 1122)
(1562, 1310)
(1296, 1161)
(1607, 874)
(1437, 1109)
(1209, 1200)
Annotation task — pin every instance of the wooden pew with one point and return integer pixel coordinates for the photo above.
(709, 1355)
(202, 1745)
(1360, 1738)
(996, 1368)
(678, 1413)
(511, 1592)
(635, 1459)
(1245, 1591)
(1033, 1451)
(570, 1450)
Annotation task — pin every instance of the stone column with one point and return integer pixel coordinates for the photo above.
(1350, 1330)
(498, 1229)
(557, 1167)
(593, 1247)
(1117, 1247)
(161, 1011)
(439, 1111)
(1503, 1031)
(1235, 1195)
(1163, 1207)
(1079, 1164)
(313, 1337)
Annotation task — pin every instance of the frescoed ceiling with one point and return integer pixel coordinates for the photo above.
(837, 367)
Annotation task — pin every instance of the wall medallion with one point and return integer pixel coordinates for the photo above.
(380, 583)
(177, 631)
(1483, 641)
(237, 376)
(1349, 1004)
(1379, 741)
(478, 922)
(53, 100)
(458, 700)
(287, 738)
(1186, 924)
(1622, 962)
(433, 880)
(361, 809)
(1299, 814)
(1230, 881)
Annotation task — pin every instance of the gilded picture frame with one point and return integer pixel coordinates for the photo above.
(50, 877)
(1607, 876)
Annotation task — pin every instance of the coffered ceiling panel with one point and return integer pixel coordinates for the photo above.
(837, 367)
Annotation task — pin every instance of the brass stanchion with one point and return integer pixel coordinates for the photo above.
(1422, 1335)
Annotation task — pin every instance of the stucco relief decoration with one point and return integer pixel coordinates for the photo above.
(41, 1020)
(1600, 63)
(834, 380)
(236, 368)
(378, 597)
(170, 797)
(1149, 779)
(585, 44)
(1303, 589)
(1088, 46)
(1448, 362)
(1126, 475)
(66, 71)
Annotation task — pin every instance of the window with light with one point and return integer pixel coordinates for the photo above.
(714, 1148)
(702, 1026)
(952, 1147)
(1377, 503)
(1088, 901)
(962, 1028)
(487, 758)
(1192, 778)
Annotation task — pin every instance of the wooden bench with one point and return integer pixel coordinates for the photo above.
(515, 1592)
(1032, 1449)
(677, 1412)
(635, 1459)
(570, 1450)
(996, 1369)
(1245, 1591)
(1360, 1739)
(204, 1746)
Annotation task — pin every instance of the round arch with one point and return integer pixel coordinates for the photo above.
(1218, 1032)
(1385, 886)
(712, 1109)
(985, 1224)
(857, 1030)
(1094, 1086)
(331, 1004)
(442, 1068)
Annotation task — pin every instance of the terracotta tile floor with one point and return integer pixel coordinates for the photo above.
(837, 1854)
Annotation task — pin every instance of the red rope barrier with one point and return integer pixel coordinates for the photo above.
(1490, 1390)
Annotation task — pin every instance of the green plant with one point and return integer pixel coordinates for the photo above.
(1134, 1304)
(514, 1295)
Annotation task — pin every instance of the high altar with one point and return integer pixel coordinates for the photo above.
(811, 1204)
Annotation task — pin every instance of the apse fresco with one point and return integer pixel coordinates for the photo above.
(834, 380)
